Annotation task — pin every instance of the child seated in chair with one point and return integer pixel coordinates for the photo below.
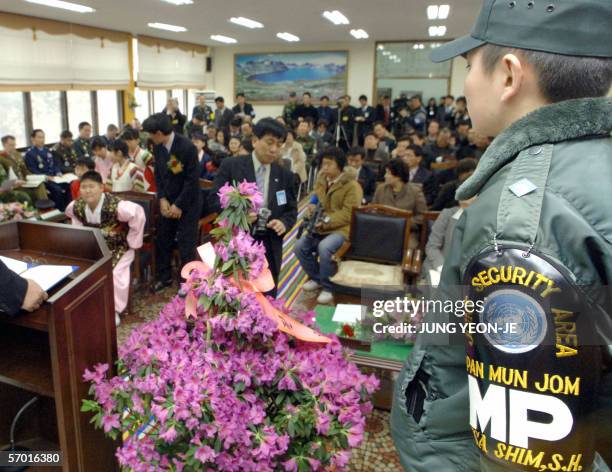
(121, 223)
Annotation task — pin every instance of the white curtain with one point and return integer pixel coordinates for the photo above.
(36, 59)
(160, 66)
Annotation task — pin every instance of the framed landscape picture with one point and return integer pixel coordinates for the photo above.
(270, 77)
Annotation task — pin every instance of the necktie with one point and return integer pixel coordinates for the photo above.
(261, 180)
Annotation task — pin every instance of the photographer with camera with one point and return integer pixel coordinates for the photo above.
(276, 184)
(336, 192)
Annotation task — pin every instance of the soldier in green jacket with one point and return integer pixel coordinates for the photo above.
(8, 194)
(64, 153)
(288, 110)
(535, 249)
(82, 144)
(13, 162)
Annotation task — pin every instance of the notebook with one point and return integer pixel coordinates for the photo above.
(46, 276)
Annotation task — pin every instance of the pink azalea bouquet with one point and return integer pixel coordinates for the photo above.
(15, 211)
(228, 391)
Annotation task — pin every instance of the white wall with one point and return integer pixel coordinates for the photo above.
(458, 74)
(360, 70)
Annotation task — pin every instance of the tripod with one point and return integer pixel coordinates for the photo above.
(340, 131)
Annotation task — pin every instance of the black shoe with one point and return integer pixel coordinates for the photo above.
(160, 285)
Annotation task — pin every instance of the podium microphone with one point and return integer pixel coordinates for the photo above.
(12, 447)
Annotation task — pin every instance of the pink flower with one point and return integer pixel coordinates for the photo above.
(110, 421)
(169, 435)
(290, 465)
(97, 375)
(204, 454)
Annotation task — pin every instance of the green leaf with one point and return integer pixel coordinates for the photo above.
(291, 428)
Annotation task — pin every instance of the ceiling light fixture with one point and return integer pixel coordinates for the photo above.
(438, 12)
(287, 37)
(380, 47)
(246, 22)
(437, 30)
(166, 27)
(336, 17)
(63, 5)
(223, 39)
(359, 34)
(385, 53)
(179, 2)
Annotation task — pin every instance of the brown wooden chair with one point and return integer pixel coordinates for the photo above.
(377, 252)
(417, 255)
(149, 203)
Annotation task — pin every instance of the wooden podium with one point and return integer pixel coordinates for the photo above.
(45, 353)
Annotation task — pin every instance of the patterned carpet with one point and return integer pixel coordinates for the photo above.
(376, 454)
(292, 277)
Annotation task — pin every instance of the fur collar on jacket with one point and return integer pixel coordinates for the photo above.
(563, 121)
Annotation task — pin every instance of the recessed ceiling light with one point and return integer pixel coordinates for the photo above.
(336, 17)
(63, 5)
(437, 30)
(288, 37)
(380, 47)
(359, 34)
(385, 53)
(179, 2)
(223, 39)
(246, 22)
(438, 12)
(164, 26)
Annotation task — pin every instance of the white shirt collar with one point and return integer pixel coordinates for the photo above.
(95, 216)
(170, 142)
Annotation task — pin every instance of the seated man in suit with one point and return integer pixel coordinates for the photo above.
(18, 293)
(337, 192)
(178, 191)
(413, 157)
(274, 182)
(121, 223)
(365, 175)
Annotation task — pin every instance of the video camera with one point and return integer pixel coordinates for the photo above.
(260, 228)
(309, 223)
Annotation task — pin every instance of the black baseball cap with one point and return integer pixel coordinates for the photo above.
(569, 27)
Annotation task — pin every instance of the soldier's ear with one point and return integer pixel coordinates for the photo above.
(512, 72)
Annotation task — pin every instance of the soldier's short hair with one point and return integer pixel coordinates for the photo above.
(560, 77)
(66, 134)
(82, 125)
(7, 138)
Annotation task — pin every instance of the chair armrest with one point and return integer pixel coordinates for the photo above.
(337, 257)
(414, 261)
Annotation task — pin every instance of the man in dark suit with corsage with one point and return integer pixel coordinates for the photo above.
(178, 191)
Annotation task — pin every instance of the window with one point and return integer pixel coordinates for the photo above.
(79, 109)
(142, 99)
(180, 96)
(160, 97)
(108, 112)
(405, 68)
(12, 119)
(47, 114)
